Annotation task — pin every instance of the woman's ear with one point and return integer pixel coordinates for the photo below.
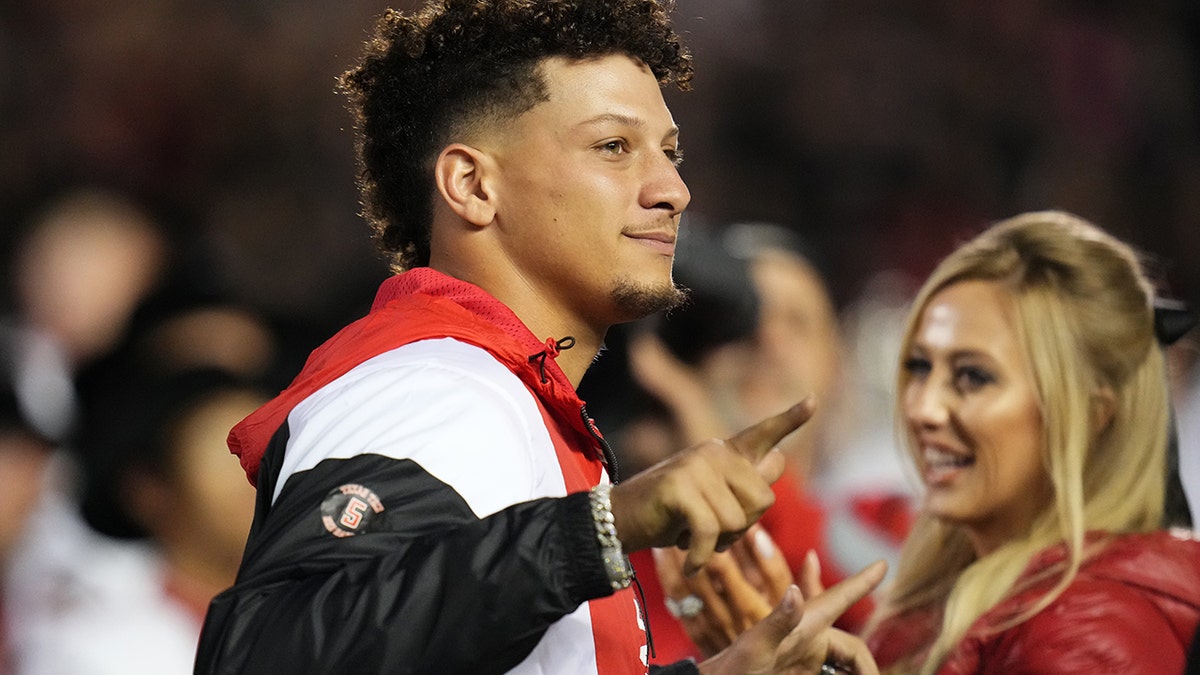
(1104, 407)
(461, 176)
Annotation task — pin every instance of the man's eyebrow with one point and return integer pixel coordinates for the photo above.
(624, 120)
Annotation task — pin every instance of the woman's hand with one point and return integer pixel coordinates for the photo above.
(732, 592)
(798, 638)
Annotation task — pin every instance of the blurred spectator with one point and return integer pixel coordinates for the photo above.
(797, 346)
(849, 467)
(36, 414)
(759, 334)
(83, 265)
(680, 379)
(874, 121)
(1184, 359)
(120, 582)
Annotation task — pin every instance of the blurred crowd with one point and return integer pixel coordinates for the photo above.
(178, 227)
(882, 130)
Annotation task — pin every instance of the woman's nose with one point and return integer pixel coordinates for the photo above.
(925, 405)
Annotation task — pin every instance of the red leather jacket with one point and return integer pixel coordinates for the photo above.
(1132, 609)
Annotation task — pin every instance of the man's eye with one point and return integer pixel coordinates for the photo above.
(613, 147)
(675, 155)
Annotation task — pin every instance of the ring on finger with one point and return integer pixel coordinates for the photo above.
(685, 607)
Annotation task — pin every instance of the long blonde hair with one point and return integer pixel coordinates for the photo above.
(1084, 320)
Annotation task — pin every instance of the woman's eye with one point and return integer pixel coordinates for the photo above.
(917, 367)
(969, 378)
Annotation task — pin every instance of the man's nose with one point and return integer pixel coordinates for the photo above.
(664, 188)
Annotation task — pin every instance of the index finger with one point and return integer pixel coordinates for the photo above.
(756, 440)
(747, 604)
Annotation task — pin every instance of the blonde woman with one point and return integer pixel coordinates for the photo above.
(1033, 399)
(1034, 403)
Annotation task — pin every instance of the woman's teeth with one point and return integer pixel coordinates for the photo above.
(941, 459)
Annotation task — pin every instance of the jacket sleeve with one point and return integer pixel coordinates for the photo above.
(370, 547)
(452, 594)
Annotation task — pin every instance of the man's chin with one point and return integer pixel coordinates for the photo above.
(636, 301)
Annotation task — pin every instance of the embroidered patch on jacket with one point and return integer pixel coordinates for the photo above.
(348, 510)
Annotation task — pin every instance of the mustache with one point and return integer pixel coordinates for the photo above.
(667, 232)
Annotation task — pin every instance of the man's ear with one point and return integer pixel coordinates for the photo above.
(1104, 406)
(461, 173)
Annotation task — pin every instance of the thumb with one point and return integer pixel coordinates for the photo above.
(756, 650)
(768, 633)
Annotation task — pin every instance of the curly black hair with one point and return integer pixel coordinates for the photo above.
(427, 76)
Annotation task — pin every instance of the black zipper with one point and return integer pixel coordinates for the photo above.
(610, 461)
(609, 458)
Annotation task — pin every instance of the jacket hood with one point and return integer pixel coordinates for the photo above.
(419, 304)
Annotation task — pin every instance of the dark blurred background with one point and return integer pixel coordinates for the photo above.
(883, 131)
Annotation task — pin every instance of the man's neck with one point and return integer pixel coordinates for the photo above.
(576, 361)
(544, 323)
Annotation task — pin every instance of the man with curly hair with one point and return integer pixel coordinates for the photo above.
(433, 496)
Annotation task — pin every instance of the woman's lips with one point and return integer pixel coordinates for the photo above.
(941, 465)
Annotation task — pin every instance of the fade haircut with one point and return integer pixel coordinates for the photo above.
(428, 77)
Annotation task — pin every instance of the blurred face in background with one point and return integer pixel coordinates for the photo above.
(971, 407)
(84, 268)
(212, 491)
(797, 335)
(201, 511)
(796, 352)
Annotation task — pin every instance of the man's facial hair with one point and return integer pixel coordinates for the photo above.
(639, 301)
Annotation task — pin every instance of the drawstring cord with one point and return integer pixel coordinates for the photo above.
(552, 350)
(645, 615)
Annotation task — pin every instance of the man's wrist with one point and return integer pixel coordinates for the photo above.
(620, 572)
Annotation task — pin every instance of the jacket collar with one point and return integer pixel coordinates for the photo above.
(430, 282)
(419, 304)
